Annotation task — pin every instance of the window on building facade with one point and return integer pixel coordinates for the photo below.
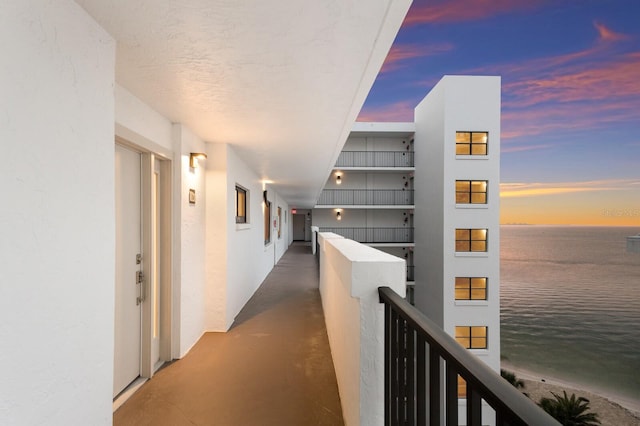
(472, 337)
(267, 222)
(471, 240)
(279, 222)
(472, 143)
(241, 205)
(471, 288)
(471, 191)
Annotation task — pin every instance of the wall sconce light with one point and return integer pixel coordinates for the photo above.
(193, 158)
(338, 180)
(338, 215)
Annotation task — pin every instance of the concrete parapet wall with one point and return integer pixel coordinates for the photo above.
(350, 274)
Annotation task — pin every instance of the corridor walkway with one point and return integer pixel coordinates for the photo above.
(273, 367)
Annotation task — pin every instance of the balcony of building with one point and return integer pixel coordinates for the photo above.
(391, 236)
(308, 349)
(373, 160)
(366, 198)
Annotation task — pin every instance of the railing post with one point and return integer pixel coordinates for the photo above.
(451, 395)
(411, 372)
(421, 380)
(434, 386)
(387, 365)
(395, 368)
(474, 406)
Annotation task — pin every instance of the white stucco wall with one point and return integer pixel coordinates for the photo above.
(230, 246)
(189, 267)
(138, 123)
(350, 274)
(373, 142)
(474, 103)
(57, 230)
(361, 218)
(429, 200)
(282, 243)
(370, 180)
(246, 245)
(457, 103)
(219, 221)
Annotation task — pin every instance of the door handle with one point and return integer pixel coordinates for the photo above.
(141, 290)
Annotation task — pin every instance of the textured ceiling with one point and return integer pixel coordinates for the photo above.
(282, 80)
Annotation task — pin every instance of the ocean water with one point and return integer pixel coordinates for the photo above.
(570, 305)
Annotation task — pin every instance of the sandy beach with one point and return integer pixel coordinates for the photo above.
(611, 410)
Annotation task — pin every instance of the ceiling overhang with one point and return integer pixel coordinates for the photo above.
(281, 81)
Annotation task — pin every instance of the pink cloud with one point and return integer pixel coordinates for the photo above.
(607, 34)
(537, 120)
(584, 89)
(404, 52)
(534, 189)
(595, 81)
(520, 148)
(399, 111)
(464, 10)
(603, 48)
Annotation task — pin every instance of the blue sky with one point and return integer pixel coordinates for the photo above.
(570, 97)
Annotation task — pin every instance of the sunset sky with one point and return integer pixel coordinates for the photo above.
(570, 97)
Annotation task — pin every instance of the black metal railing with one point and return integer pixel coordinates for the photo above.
(375, 159)
(374, 235)
(366, 197)
(410, 273)
(419, 356)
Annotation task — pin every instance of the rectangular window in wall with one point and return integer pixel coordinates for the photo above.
(472, 143)
(267, 222)
(241, 205)
(471, 288)
(279, 222)
(472, 337)
(471, 240)
(471, 191)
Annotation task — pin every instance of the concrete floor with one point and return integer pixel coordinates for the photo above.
(273, 367)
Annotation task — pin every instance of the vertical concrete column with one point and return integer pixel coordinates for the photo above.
(314, 235)
(350, 274)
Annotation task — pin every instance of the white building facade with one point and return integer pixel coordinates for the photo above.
(369, 196)
(458, 212)
(428, 192)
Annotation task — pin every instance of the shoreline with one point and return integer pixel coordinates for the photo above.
(538, 384)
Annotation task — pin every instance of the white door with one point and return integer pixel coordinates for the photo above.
(298, 227)
(128, 248)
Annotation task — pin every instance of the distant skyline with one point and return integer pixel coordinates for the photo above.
(570, 97)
